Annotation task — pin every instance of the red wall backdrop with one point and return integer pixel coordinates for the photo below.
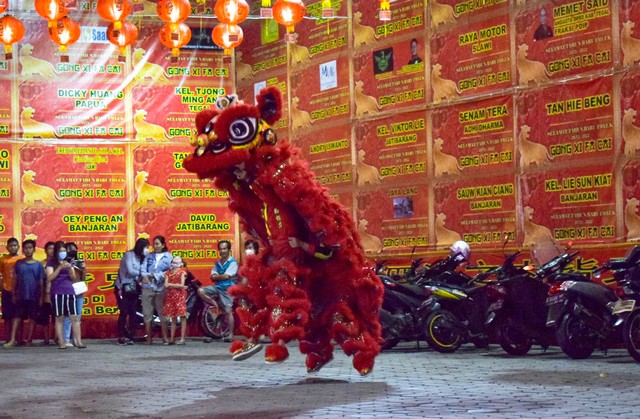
(494, 130)
(91, 150)
(490, 130)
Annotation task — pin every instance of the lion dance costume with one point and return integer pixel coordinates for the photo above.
(312, 282)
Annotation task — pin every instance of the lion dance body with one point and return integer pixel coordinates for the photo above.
(312, 282)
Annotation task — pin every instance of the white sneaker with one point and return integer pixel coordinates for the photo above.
(68, 344)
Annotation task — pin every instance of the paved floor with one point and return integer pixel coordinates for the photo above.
(200, 380)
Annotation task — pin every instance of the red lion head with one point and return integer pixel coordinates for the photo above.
(230, 133)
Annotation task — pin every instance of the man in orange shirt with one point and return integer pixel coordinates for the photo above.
(7, 262)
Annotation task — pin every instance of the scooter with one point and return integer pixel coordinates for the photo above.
(626, 272)
(585, 314)
(401, 315)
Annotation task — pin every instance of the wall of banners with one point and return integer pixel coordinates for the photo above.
(453, 120)
(473, 121)
(91, 150)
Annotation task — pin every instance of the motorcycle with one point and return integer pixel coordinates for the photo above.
(404, 310)
(521, 320)
(626, 272)
(459, 313)
(401, 314)
(585, 314)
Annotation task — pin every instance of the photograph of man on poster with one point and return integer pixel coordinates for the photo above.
(544, 31)
(415, 59)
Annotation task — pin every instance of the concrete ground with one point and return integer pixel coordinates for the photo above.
(200, 380)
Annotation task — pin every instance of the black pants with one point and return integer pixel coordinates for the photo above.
(127, 306)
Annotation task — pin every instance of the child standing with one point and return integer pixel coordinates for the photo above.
(27, 291)
(175, 304)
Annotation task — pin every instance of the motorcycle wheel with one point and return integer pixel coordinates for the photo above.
(632, 335)
(389, 340)
(512, 341)
(443, 333)
(575, 337)
(213, 322)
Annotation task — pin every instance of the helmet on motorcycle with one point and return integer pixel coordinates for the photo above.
(460, 250)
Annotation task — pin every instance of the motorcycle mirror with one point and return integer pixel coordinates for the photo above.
(597, 274)
(505, 240)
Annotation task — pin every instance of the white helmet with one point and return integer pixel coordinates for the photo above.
(460, 250)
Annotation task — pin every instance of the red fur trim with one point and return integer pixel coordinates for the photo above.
(270, 104)
(276, 353)
(363, 362)
(203, 118)
(236, 345)
(209, 165)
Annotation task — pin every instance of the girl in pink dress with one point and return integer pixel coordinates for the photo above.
(175, 303)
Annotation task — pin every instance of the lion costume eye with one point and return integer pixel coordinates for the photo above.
(243, 130)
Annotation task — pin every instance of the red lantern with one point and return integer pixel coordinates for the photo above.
(227, 36)
(51, 9)
(122, 37)
(231, 12)
(64, 32)
(11, 31)
(175, 39)
(289, 12)
(173, 11)
(114, 11)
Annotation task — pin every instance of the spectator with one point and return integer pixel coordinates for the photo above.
(61, 275)
(251, 247)
(45, 314)
(175, 304)
(81, 267)
(28, 292)
(153, 290)
(130, 272)
(7, 263)
(223, 275)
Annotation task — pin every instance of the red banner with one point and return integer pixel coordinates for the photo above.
(190, 232)
(567, 123)
(169, 184)
(471, 59)
(319, 38)
(329, 155)
(6, 173)
(562, 38)
(393, 219)
(262, 50)
(320, 94)
(53, 175)
(576, 205)
(630, 31)
(479, 211)
(391, 151)
(84, 109)
(7, 229)
(473, 135)
(631, 200)
(6, 125)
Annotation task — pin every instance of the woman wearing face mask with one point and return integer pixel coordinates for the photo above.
(130, 272)
(251, 247)
(61, 276)
(175, 304)
(153, 290)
